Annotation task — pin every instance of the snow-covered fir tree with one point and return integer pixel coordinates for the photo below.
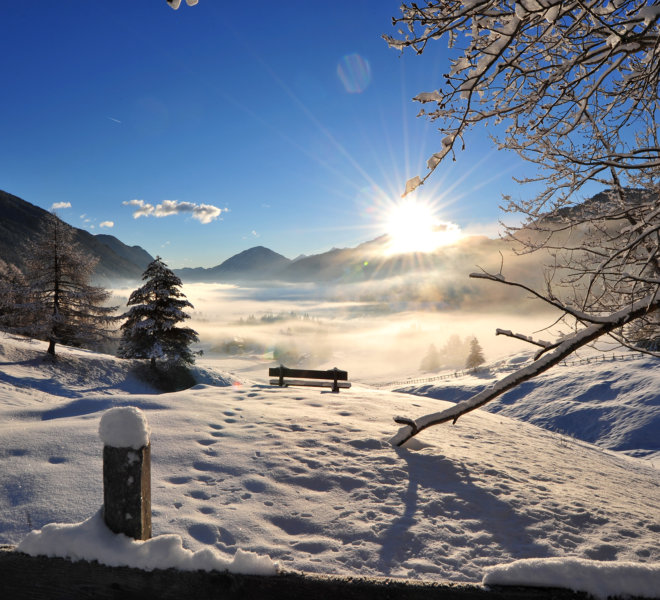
(150, 330)
(476, 356)
(431, 361)
(60, 305)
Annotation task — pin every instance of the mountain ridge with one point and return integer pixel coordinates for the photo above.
(20, 222)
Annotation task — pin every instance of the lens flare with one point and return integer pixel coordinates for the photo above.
(354, 72)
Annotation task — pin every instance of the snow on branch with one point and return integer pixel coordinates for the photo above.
(564, 348)
(577, 314)
(552, 70)
(524, 338)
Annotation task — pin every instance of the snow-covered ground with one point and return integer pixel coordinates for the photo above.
(611, 400)
(308, 478)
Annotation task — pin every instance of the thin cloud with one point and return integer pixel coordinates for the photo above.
(60, 205)
(108, 224)
(114, 120)
(204, 213)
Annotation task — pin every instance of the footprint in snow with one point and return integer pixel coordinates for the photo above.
(179, 480)
(198, 495)
(207, 442)
(17, 452)
(204, 533)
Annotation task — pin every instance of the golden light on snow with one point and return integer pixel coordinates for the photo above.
(413, 226)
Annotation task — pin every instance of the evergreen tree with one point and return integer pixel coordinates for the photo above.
(455, 351)
(150, 329)
(60, 306)
(431, 362)
(476, 355)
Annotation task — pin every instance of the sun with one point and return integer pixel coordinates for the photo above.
(413, 226)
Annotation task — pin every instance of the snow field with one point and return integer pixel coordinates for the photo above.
(308, 478)
(614, 404)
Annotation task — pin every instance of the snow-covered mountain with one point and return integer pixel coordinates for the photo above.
(309, 478)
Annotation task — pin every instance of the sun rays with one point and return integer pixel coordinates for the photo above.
(413, 226)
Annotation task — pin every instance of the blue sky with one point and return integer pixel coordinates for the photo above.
(289, 125)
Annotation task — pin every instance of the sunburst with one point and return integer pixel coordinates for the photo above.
(413, 225)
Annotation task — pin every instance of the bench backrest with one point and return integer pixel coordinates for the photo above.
(332, 374)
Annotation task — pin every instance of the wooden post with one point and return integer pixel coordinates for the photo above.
(126, 472)
(127, 491)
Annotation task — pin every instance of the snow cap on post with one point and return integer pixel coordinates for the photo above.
(124, 427)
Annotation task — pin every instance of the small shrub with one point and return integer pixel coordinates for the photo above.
(164, 378)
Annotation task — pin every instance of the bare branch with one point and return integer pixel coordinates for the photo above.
(567, 346)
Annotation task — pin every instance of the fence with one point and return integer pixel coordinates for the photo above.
(597, 358)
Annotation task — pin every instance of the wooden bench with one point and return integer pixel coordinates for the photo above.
(335, 378)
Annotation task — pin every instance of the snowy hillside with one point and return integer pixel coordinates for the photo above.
(612, 400)
(308, 478)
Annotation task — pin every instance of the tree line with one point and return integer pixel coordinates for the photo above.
(455, 353)
(53, 300)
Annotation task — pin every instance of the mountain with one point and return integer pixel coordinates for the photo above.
(133, 254)
(255, 263)
(599, 204)
(20, 222)
(367, 261)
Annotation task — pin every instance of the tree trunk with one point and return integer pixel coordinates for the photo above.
(51, 347)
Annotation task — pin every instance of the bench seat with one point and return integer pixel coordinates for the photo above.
(332, 378)
(310, 382)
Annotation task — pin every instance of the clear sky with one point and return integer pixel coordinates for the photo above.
(284, 124)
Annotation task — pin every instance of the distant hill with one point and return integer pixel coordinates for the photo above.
(255, 263)
(601, 203)
(20, 221)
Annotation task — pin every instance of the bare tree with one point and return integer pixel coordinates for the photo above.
(576, 86)
(14, 298)
(63, 307)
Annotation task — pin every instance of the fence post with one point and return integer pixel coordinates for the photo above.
(126, 472)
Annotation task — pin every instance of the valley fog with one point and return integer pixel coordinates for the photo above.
(245, 328)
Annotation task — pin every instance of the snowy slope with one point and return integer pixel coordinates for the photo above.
(609, 400)
(308, 478)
